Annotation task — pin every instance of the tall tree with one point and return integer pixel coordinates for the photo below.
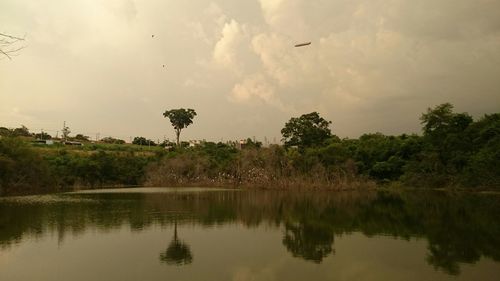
(180, 119)
(446, 132)
(306, 131)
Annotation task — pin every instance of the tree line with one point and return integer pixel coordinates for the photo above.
(454, 150)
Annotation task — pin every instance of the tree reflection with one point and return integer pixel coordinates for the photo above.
(457, 227)
(178, 252)
(312, 243)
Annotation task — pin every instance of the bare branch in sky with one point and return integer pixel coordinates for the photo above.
(9, 45)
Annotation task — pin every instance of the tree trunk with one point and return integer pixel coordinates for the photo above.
(178, 133)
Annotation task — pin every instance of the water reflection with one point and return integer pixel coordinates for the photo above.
(308, 241)
(459, 228)
(178, 252)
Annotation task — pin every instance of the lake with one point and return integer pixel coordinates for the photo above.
(218, 234)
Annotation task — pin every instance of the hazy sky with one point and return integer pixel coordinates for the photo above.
(373, 65)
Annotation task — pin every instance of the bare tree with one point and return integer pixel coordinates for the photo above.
(9, 45)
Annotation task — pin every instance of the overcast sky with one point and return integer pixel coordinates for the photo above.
(373, 65)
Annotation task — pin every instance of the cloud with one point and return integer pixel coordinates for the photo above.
(254, 87)
(225, 50)
(373, 65)
(122, 8)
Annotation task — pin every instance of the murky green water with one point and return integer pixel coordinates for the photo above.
(199, 234)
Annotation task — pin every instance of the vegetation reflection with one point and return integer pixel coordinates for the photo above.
(459, 227)
(308, 241)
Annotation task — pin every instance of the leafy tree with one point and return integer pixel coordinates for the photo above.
(485, 135)
(308, 130)
(112, 140)
(143, 141)
(445, 133)
(43, 136)
(180, 119)
(5, 132)
(21, 132)
(249, 143)
(81, 137)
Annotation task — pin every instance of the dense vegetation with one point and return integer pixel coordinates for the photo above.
(26, 168)
(454, 151)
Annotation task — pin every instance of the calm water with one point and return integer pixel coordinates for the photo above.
(200, 234)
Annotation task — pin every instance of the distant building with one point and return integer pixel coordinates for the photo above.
(47, 142)
(193, 143)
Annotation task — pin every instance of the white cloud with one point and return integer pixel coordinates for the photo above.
(226, 49)
(254, 87)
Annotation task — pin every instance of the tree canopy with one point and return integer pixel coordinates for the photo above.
(308, 130)
(180, 119)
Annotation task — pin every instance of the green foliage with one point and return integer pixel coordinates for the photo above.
(43, 136)
(17, 132)
(5, 132)
(143, 141)
(484, 160)
(26, 170)
(308, 130)
(22, 170)
(454, 151)
(180, 119)
(98, 169)
(249, 143)
(112, 140)
(81, 137)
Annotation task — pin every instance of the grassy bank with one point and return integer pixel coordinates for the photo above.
(27, 169)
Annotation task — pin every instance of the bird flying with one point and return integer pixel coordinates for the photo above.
(303, 44)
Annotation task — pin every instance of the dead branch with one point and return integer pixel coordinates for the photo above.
(7, 45)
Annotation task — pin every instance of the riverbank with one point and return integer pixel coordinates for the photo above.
(373, 161)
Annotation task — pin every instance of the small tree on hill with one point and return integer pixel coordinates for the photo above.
(143, 141)
(180, 119)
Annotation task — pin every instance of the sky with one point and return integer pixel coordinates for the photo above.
(372, 66)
